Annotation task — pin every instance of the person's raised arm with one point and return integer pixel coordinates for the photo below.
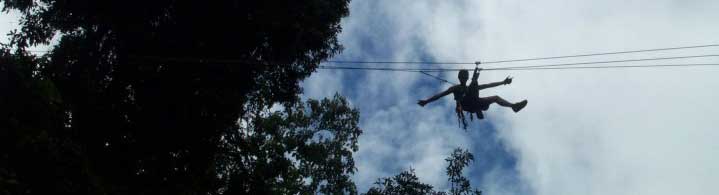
(475, 75)
(506, 81)
(435, 97)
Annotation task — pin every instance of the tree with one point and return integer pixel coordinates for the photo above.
(457, 161)
(31, 146)
(304, 149)
(408, 183)
(137, 97)
(405, 182)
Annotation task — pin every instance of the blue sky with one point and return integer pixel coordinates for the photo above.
(628, 131)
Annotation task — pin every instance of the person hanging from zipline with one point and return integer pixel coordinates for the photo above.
(467, 97)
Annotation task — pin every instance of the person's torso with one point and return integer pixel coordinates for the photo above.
(459, 92)
(473, 90)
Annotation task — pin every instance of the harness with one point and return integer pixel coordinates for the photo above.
(469, 100)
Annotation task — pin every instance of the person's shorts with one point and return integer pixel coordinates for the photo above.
(475, 104)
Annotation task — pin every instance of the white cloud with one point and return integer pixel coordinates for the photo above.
(619, 131)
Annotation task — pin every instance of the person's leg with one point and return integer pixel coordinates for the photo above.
(519, 105)
(498, 100)
(479, 115)
(516, 107)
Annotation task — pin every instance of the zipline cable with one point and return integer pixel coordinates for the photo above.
(599, 54)
(516, 67)
(438, 78)
(235, 61)
(327, 67)
(524, 59)
(531, 67)
(611, 61)
(610, 67)
(586, 63)
(517, 60)
(426, 71)
(566, 65)
(423, 71)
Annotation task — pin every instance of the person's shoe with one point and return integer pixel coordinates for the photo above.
(480, 115)
(519, 105)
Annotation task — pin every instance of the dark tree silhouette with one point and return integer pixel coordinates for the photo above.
(408, 183)
(458, 183)
(405, 182)
(144, 97)
(276, 153)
